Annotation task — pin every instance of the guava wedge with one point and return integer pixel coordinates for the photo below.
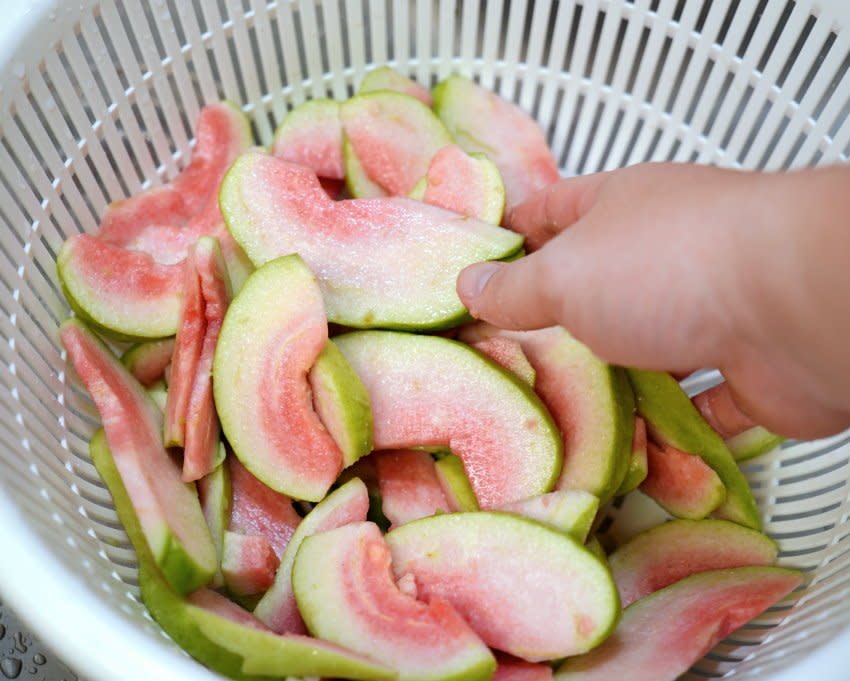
(432, 391)
(409, 486)
(468, 184)
(672, 419)
(248, 563)
(679, 548)
(595, 547)
(346, 593)
(512, 669)
(483, 122)
(569, 511)
(393, 137)
(357, 182)
(122, 293)
(342, 403)
(214, 493)
(346, 504)
(151, 222)
(215, 631)
(482, 564)
(256, 509)
(169, 512)
(311, 135)
(387, 78)
(686, 620)
(388, 262)
(268, 342)
(158, 392)
(588, 399)
(507, 352)
(147, 361)
(456, 487)
(753, 442)
(681, 483)
(638, 466)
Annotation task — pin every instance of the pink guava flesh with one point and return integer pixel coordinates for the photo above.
(149, 365)
(409, 486)
(718, 408)
(513, 669)
(507, 353)
(455, 182)
(214, 602)
(682, 483)
(316, 145)
(248, 563)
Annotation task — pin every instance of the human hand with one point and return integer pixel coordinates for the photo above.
(675, 267)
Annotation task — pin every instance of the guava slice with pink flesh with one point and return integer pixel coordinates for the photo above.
(638, 466)
(393, 136)
(686, 620)
(169, 512)
(248, 563)
(214, 493)
(507, 352)
(481, 121)
(681, 483)
(569, 511)
(357, 182)
(147, 361)
(482, 563)
(122, 293)
(258, 509)
(346, 504)
(386, 78)
(512, 669)
(273, 331)
(409, 486)
(214, 602)
(454, 483)
(383, 262)
(679, 548)
(333, 188)
(346, 593)
(671, 419)
(469, 184)
(432, 391)
(311, 135)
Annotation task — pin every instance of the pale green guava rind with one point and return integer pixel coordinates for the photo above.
(357, 182)
(147, 361)
(569, 511)
(638, 467)
(595, 547)
(158, 392)
(672, 419)
(215, 494)
(752, 443)
(686, 620)
(481, 562)
(455, 484)
(342, 403)
(387, 78)
(311, 134)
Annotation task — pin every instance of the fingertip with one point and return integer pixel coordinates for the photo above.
(473, 280)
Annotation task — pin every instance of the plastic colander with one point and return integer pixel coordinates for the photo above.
(98, 101)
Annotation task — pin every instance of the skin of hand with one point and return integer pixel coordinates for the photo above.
(675, 267)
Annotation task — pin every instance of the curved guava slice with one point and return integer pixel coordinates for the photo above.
(432, 391)
(409, 486)
(393, 137)
(268, 343)
(214, 493)
(482, 564)
(357, 182)
(589, 400)
(147, 361)
(686, 620)
(569, 511)
(673, 420)
(168, 511)
(753, 442)
(512, 669)
(383, 262)
(345, 591)
(456, 487)
(387, 78)
(311, 135)
(481, 121)
(342, 403)
(120, 292)
(679, 548)
(638, 465)
(469, 184)
(681, 483)
(346, 504)
(595, 547)
(248, 563)
(507, 352)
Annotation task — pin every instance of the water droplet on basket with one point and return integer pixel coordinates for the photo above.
(19, 70)
(39, 659)
(11, 667)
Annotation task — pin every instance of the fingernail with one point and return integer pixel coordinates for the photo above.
(473, 279)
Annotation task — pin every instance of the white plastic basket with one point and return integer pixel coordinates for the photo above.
(98, 101)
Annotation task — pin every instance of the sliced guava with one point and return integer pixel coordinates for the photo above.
(357, 182)
(679, 548)
(387, 78)
(753, 442)
(512, 669)
(393, 137)
(432, 391)
(481, 121)
(524, 588)
(346, 504)
(248, 563)
(507, 352)
(273, 331)
(342, 403)
(121, 293)
(346, 593)
(595, 547)
(638, 466)
(382, 262)
(686, 620)
(311, 135)
(214, 493)
(569, 511)
(158, 392)
(409, 486)
(672, 419)
(169, 511)
(468, 184)
(456, 486)
(147, 361)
